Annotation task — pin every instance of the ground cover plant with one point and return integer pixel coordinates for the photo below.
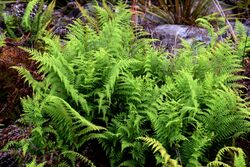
(176, 11)
(109, 88)
(29, 24)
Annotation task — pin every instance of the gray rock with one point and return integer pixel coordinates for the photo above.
(247, 26)
(170, 35)
(226, 7)
(151, 18)
(247, 29)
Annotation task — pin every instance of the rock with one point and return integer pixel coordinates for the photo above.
(247, 25)
(151, 18)
(67, 15)
(18, 10)
(7, 159)
(247, 29)
(170, 35)
(13, 133)
(226, 7)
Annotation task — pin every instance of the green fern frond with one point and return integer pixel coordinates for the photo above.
(193, 149)
(240, 30)
(26, 20)
(33, 164)
(157, 147)
(73, 155)
(68, 120)
(238, 157)
(113, 74)
(9, 21)
(64, 164)
(130, 88)
(119, 140)
(45, 17)
(226, 115)
(2, 40)
(218, 164)
(244, 43)
(36, 86)
(14, 145)
(92, 21)
(82, 39)
(54, 63)
(37, 25)
(167, 122)
(205, 24)
(32, 110)
(103, 16)
(222, 151)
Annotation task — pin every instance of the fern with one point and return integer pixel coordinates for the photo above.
(110, 76)
(73, 155)
(69, 121)
(9, 21)
(118, 142)
(225, 117)
(2, 42)
(238, 156)
(36, 86)
(33, 164)
(157, 147)
(26, 17)
(45, 18)
(243, 44)
(113, 75)
(193, 149)
(92, 22)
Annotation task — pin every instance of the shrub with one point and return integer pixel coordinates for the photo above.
(176, 11)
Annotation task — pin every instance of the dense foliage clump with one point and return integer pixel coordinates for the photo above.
(111, 87)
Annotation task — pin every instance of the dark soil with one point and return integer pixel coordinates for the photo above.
(12, 86)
